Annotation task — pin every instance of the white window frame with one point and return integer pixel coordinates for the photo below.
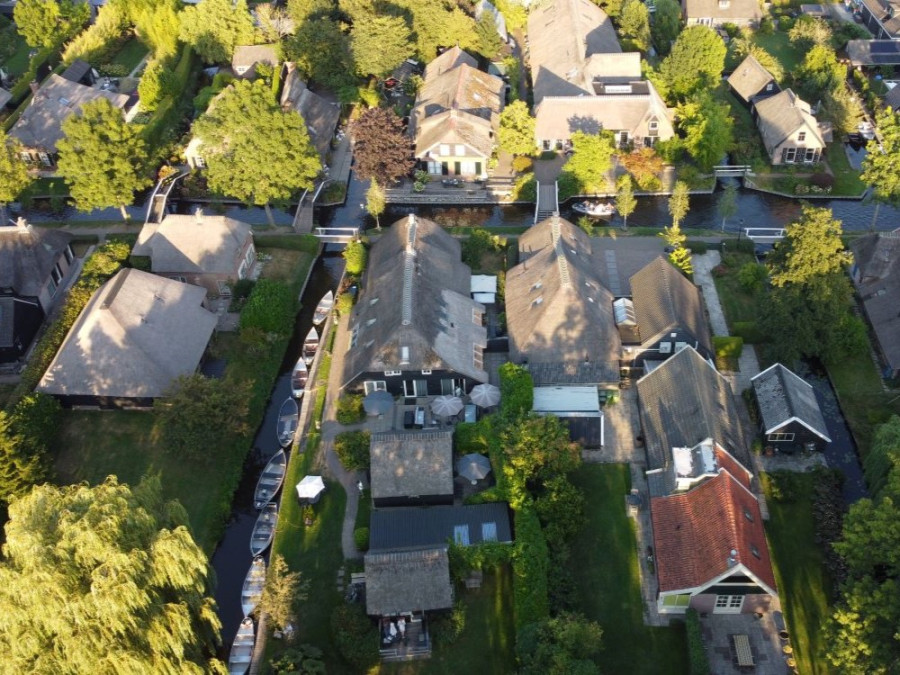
(810, 156)
(460, 150)
(426, 371)
(444, 150)
(199, 162)
(374, 385)
(728, 604)
(779, 437)
(392, 373)
(790, 156)
(801, 136)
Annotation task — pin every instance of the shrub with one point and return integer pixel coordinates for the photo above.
(468, 438)
(270, 307)
(822, 180)
(344, 304)
(749, 331)
(522, 163)
(732, 29)
(352, 448)
(355, 255)
(350, 409)
(479, 241)
(100, 42)
(752, 276)
(696, 651)
(446, 628)
(355, 636)
(728, 347)
(361, 538)
(530, 567)
(242, 288)
(516, 389)
(525, 189)
(696, 246)
(548, 154)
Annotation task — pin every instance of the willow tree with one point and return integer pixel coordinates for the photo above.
(255, 152)
(104, 579)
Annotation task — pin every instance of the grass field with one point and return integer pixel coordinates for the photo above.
(17, 63)
(605, 567)
(131, 54)
(779, 46)
(846, 178)
(803, 584)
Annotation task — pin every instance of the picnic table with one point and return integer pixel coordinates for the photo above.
(742, 651)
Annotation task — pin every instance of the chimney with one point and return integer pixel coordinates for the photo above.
(198, 215)
(22, 225)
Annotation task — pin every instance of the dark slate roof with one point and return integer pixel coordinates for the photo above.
(665, 299)
(876, 272)
(27, 255)
(683, 402)
(558, 311)
(7, 321)
(415, 528)
(408, 581)
(414, 311)
(784, 396)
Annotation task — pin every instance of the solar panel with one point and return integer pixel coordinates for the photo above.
(884, 47)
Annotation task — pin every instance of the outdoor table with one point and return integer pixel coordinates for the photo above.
(742, 650)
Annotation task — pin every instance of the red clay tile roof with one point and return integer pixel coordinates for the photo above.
(694, 532)
(726, 461)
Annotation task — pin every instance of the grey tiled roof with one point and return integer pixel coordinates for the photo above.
(683, 402)
(408, 581)
(27, 255)
(416, 528)
(784, 396)
(558, 312)
(415, 306)
(665, 299)
(198, 243)
(407, 464)
(877, 277)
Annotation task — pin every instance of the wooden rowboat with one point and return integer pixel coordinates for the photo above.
(287, 422)
(264, 529)
(323, 309)
(310, 345)
(270, 480)
(299, 376)
(253, 585)
(242, 648)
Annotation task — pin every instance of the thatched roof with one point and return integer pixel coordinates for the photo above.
(781, 116)
(408, 581)
(27, 256)
(750, 79)
(411, 464)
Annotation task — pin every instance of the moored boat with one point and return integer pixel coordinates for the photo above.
(594, 209)
(254, 583)
(264, 529)
(287, 421)
(323, 309)
(310, 345)
(270, 480)
(242, 648)
(299, 376)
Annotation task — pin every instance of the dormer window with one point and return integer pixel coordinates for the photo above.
(724, 4)
(801, 137)
(769, 86)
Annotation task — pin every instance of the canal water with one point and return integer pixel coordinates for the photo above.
(232, 558)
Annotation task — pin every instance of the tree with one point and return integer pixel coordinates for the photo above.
(880, 163)
(625, 199)
(49, 23)
(375, 202)
(14, 176)
(299, 660)
(303, 11)
(198, 414)
(679, 203)
(101, 157)
(380, 44)
(809, 31)
(275, 23)
(644, 165)
(744, 46)
(811, 247)
(634, 24)
(158, 24)
(696, 60)
(708, 129)
(882, 462)
(861, 636)
(666, 25)
(567, 644)
(591, 160)
(383, 151)
(273, 162)
(727, 204)
(870, 541)
(489, 42)
(438, 24)
(157, 83)
(322, 52)
(113, 563)
(539, 447)
(283, 589)
(215, 27)
(356, 255)
(516, 132)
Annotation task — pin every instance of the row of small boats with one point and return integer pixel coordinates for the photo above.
(270, 481)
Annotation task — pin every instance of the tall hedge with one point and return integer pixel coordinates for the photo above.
(516, 390)
(531, 564)
(696, 652)
(270, 307)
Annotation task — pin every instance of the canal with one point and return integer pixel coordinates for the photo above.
(232, 558)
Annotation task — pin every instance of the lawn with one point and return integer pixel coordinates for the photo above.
(43, 187)
(803, 583)
(846, 178)
(131, 54)
(17, 63)
(605, 566)
(779, 46)
(486, 645)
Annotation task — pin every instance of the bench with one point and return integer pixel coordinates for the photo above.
(742, 652)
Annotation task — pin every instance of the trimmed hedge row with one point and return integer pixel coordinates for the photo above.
(516, 390)
(531, 563)
(169, 109)
(696, 651)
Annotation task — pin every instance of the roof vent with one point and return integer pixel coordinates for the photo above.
(537, 301)
(732, 558)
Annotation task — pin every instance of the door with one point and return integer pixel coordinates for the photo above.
(451, 387)
(728, 604)
(457, 168)
(415, 388)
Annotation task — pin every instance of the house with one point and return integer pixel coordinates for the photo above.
(35, 265)
(320, 114)
(583, 81)
(408, 583)
(715, 13)
(455, 119)
(208, 251)
(39, 128)
(414, 330)
(137, 334)
(873, 53)
(664, 314)
(751, 82)
(790, 132)
(247, 57)
(790, 417)
(411, 468)
(710, 550)
(690, 425)
(415, 528)
(579, 406)
(892, 99)
(881, 17)
(876, 274)
(559, 315)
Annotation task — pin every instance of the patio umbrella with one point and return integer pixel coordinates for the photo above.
(485, 395)
(378, 403)
(310, 488)
(446, 406)
(473, 466)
